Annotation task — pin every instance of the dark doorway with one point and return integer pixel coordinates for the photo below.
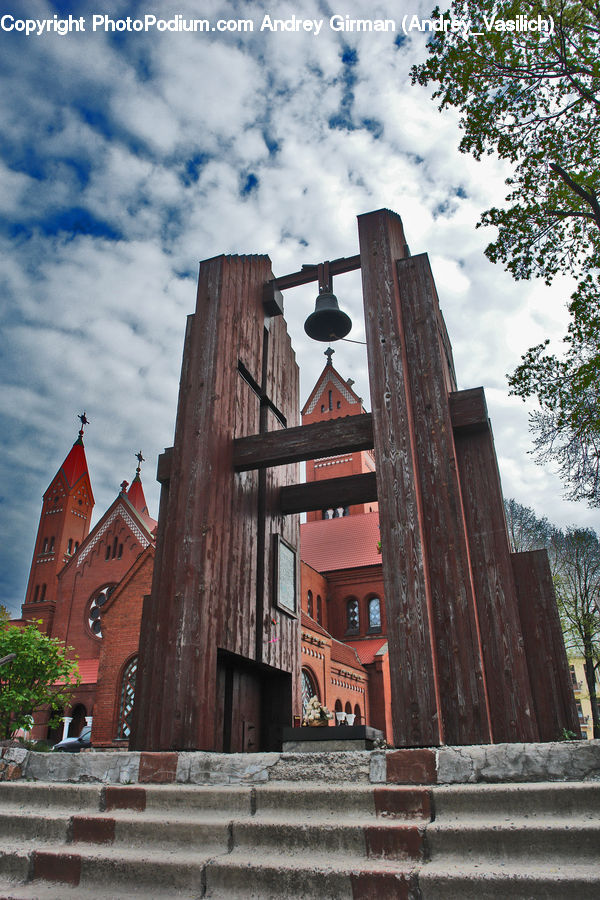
(253, 704)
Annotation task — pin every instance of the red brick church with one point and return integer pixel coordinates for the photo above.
(87, 588)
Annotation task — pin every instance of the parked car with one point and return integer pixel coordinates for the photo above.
(75, 744)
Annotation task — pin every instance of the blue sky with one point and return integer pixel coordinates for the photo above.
(127, 158)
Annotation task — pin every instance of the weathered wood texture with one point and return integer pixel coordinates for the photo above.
(458, 649)
(345, 435)
(468, 409)
(549, 675)
(438, 683)
(330, 492)
(415, 698)
(212, 542)
(511, 705)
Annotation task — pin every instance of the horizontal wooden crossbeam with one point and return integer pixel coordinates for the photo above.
(349, 434)
(468, 409)
(310, 273)
(277, 448)
(329, 493)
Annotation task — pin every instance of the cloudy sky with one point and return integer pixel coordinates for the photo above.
(127, 157)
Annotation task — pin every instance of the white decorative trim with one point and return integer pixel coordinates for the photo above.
(331, 461)
(342, 388)
(119, 511)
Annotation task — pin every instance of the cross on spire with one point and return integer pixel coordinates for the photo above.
(329, 353)
(84, 421)
(140, 460)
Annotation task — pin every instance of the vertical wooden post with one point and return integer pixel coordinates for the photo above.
(511, 703)
(549, 673)
(200, 631)
(438, 683)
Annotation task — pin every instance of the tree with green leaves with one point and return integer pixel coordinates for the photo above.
(525, 530)
(567, 425)
(575, 560)
(532, 98)
(39, 676)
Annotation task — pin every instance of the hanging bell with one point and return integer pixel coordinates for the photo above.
(328, 322)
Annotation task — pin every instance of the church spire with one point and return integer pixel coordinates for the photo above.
(64, 523)
(135, 494)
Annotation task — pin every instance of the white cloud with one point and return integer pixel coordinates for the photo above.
(155, 136)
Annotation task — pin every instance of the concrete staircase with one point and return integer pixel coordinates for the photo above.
(516, 841)
(287, 840)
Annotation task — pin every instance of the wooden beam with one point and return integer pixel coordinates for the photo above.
(165, 464)
(276, 448)
(551, 686)
(311, 273)
(468, 409)
(329, 493)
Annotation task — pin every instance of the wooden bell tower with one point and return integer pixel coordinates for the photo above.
(470, 625)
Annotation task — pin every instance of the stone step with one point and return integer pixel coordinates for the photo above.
(33, 794)
(442, 880)
(572, 839)
(392, 840)
(40, 890)
(216, 833)
(349, 800)
(241, 877)
(282, 841)
(541, 799)
(123, 868)
(287, 798)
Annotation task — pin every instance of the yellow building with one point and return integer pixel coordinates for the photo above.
(582, 697)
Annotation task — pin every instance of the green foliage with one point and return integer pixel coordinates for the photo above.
(533, 99)
(567, 426)
(41, 675)
(574, 555)
(575, 559)
(567, 735)
(525, 530)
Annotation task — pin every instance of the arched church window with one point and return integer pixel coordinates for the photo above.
(94, 610)
(36, 593)
(43, 594)
(310, 689)
(309, 604)
(126, 698)
(107, 554)
(352, 619)
(374, 614)
(319, 610)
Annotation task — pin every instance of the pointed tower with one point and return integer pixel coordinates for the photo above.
(64, 523)
(331, 398)
(135, 494)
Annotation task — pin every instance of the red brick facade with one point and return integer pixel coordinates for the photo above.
(96, 584)
(121, 633)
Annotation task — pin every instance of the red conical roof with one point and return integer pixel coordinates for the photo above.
(75, 465)
(136, 497)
